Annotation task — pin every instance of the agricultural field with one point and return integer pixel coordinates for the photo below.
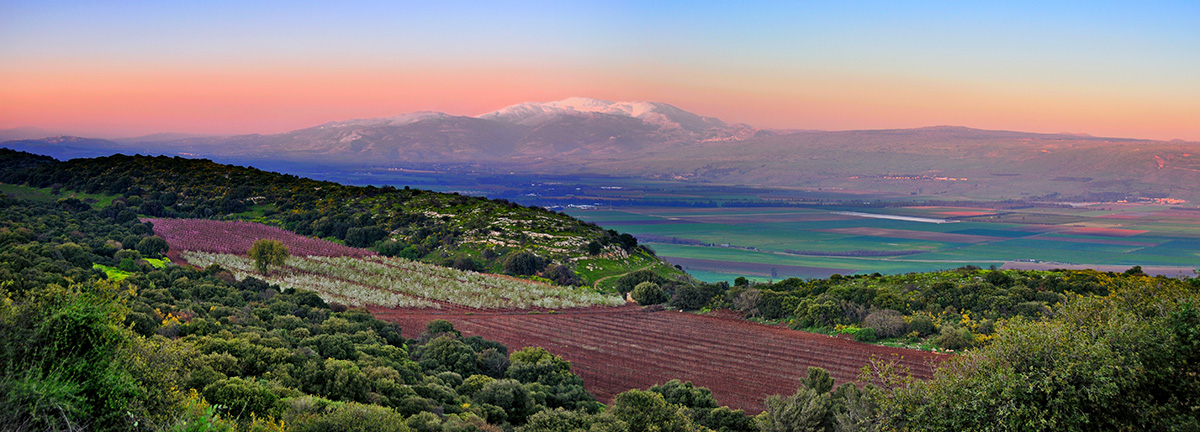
(615, 349)
(236, 237)
(46, 194)
(764, 243)
(357, 277)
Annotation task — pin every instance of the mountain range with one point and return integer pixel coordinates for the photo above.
(660, 141)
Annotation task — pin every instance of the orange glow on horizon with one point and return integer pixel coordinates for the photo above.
(117, 102)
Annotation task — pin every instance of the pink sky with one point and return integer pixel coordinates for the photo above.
(128, 103)
(260, 66)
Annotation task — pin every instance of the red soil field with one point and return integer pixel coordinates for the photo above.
(913, 235)
(617, 349)
(1108, 232)
(236, 237)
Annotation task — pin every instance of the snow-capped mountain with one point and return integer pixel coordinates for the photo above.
(574, 129)
(569, 128)
(665, 116)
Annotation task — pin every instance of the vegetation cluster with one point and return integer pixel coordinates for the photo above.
(174, 348)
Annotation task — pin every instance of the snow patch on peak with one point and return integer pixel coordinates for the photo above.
(664, 115)
(399, 120)
(582, 104)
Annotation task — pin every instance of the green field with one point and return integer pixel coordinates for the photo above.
(715, 244)
(97, 201)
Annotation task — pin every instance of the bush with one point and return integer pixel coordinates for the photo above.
(955, 338)
(594, 247)
(648, 293)
(923, 325)
(152, 246)
(314, 414)
(523, 264)
(509, 395)
(561, 275)
(887, 323)
(692, 297)
(240, 397)
(865, 335)
(465, 264)
(631, 280)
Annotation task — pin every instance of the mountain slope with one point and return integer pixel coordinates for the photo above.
(660, 141)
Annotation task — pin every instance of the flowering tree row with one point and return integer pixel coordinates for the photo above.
(236, 237)
(330, 289)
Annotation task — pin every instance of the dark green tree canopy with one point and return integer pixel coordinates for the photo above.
(266, 252)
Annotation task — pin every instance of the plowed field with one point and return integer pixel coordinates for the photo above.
(617, 349)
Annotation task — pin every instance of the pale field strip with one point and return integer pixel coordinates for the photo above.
(397, 282)
(330, 289)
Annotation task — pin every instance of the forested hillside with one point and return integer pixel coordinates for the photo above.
(167, 347)
(98, 332)
(449, 229)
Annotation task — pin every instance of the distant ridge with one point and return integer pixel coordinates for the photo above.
(656, 140)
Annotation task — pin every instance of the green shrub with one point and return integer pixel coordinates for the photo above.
(240, 397)
(523, 264)
(923, 325)
(648, 293)
(865, 335)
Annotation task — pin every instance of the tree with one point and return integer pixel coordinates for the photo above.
(152, 246)
(698, 401)
(561, 274)
(807, 410)
(266, 253)
(689, 296)
(561, 420)
(523, 264)
(647, 411)
(648, 293)
(509, 395)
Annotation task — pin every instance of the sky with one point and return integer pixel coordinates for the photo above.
(124, 68)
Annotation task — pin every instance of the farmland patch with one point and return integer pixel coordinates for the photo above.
(1107, 232)
(757, 269)
(236, 237)
(914, 235)
(615, 350)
